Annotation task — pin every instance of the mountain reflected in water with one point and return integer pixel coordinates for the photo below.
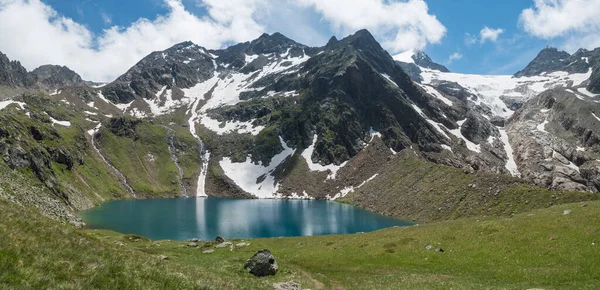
(205, 218)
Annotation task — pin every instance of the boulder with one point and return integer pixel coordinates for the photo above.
(262, 264)
(223, 245)
(193, 245)
(219, 240)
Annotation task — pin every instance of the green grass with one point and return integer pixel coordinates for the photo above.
(146, 160)
(414, 189)
(540, 249)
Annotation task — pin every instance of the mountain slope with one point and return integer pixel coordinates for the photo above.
(273, 118)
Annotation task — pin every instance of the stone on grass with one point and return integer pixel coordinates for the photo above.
(240, 245)
(194, 240)
(262, 264)
(219, 240)
(223, 245)
(439, 250)
(428, 247)
(209, 251)
(287, 286)
(163, 257)
(193, 245)
(567, 211)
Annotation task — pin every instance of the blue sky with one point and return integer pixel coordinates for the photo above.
(100, 39)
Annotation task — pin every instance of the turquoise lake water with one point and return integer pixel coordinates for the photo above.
(205, 218)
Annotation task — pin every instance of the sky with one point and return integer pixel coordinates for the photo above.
(102, 39)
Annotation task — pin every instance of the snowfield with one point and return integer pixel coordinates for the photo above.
(254, 178)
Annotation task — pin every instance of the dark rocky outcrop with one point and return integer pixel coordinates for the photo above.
(12, 73)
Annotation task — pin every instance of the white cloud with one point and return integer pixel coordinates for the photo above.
(470, 39)
(106, 18)
(489, 34)
(36, 34)
(400, 25)
(575, 20)
(455, 56)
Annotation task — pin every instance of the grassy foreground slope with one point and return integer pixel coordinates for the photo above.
(545, 249)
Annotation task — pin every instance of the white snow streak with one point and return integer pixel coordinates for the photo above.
(511, 164)
(332, 168)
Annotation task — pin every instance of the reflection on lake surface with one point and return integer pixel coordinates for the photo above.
(205, 218)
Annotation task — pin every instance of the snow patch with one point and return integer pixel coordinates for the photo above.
(4, 104)
(332, 168)
(61, 123)
(597, 118)
(447, 147)
(387, 77)
(470, 145)
(511, 164)
(374, 134)
(229, 127)
(585, 92)
(437, 126)
(257, 179)
(430, 90)
(405, 56)
(542, 127)
(489, 88)
(349, 189)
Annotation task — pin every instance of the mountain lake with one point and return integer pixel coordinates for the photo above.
(206, 218)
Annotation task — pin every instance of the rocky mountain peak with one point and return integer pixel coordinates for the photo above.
(332, 41)
(362, 39)
(423, 60)
(54, 76)
(548, 60)
(12, 73)
(46, 77)
(274, 43)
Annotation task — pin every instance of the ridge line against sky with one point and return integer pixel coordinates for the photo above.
(102, 39)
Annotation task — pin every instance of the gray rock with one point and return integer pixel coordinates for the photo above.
(223, 245)
(219, 240)
(163, 258)
(240, 245)
(119, 244)
(193, 245)
(439, 250)
(428, 247)
(498, 121)
(262, 264)
(287, 286)
(209, 251)
(194, 240)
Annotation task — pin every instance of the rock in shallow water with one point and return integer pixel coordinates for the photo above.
(262, 264)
